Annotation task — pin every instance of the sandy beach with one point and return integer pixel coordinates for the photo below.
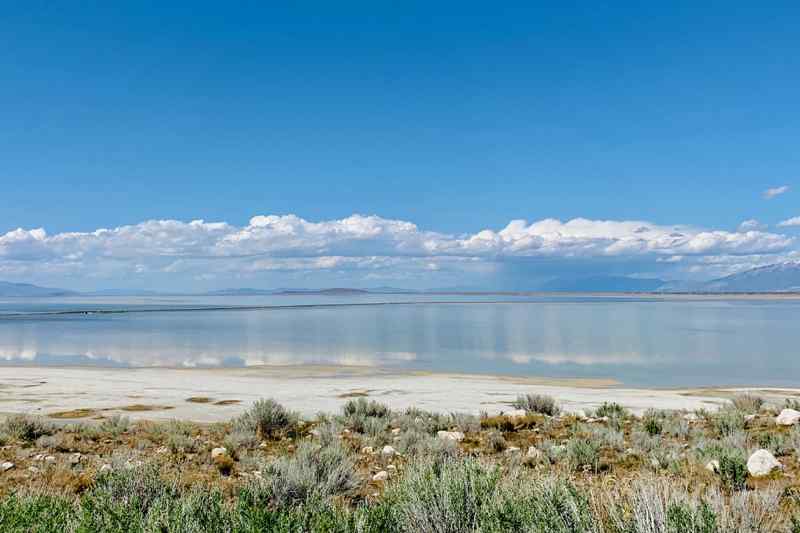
(208, 395)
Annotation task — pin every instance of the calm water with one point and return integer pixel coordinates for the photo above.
(645, 341)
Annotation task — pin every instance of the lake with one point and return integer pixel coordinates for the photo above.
(639, 341)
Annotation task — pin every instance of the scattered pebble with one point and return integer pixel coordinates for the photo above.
(5, 467)
(383, 475)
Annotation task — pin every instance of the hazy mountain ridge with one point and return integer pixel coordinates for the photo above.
(779, 277)
(26, 289)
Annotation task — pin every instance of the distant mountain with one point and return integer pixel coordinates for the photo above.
(780, 277)
(26, 289)
(245, 291)
(125, 292)
(603, 284)
(336, 291)
(391, 290)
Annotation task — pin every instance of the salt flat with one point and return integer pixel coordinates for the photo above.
(162, 393)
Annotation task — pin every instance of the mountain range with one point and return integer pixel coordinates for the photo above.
(779, 277)
(26, 289)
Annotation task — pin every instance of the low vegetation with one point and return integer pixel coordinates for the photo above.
(371, 469)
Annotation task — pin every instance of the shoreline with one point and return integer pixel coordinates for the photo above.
(217, 394)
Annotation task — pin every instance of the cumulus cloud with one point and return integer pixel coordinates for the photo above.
(769, 194)
(791, 222)
(752, 225)
(362, 243)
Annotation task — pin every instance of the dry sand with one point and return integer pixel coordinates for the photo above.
(163, 393)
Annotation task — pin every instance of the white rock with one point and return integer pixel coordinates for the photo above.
(5, 467)
(396, 431)
(388, 451)
(761, 463)
(788, 417)
(512, 449)
(75, 458)
(383, 475)
(50, 459)
(218, 452)
(367, 450)
(516, 413)
(713, 466)
(533, 453)
(39, 457)
(456, 436)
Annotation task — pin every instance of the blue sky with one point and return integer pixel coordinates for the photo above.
(457, 118)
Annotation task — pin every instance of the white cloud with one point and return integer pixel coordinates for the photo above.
(769, 194)
(794, 221)
(752, 225)
(361, 243)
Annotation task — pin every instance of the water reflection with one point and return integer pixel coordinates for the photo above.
(649, 342)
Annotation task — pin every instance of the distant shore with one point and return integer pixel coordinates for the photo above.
(209, 395)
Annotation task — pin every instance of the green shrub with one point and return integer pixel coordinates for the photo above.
(313, 472)
(537, 403)
(265, 419)
(728, 420)
(465, 422)
(683, 518)
(496, 442)
(121, 499)
(733, 471)
(748, 403)
(116, 425)
(583, 452)
(198, 510)
(419, 444)
(652, 423)
(442, 496)
(362, 407)
(611, 410)
(39, 513)
(26, 428)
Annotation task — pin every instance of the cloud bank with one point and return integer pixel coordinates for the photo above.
(792, 222)
(371, 246)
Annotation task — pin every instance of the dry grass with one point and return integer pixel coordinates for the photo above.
(227, 402)
(74, 413)
(199, 399)
(623, 468)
